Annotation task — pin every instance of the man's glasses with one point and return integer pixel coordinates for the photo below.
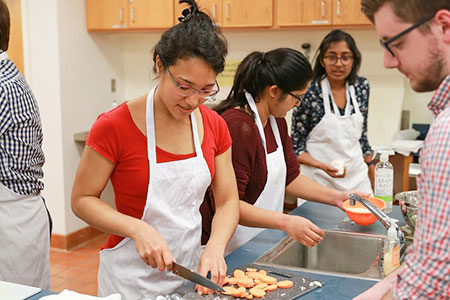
(385, 44)
(187, 91)
(332, 59)
(298, 99)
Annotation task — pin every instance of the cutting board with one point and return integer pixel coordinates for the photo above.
(14, 291)
(302, 285)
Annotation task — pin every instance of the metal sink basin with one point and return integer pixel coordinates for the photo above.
(344, 253)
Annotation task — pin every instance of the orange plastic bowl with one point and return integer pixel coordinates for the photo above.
(360, 214)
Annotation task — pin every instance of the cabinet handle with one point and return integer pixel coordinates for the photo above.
(338, 8)
(121, 15)
(132, 14)
(214, 11)
(227, 8)
(323, 8)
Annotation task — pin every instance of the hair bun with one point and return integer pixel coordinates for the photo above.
(188, 12)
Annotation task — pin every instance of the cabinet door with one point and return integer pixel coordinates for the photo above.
(247, 13)
(289, 12)
(317, 12)
(150, 14)
(348, 12)
(106, 14)
(211, 7)
(15, 48)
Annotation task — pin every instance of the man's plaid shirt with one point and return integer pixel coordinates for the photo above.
(21, 155)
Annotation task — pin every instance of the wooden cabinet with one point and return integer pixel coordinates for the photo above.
(235, 13)
(212, 7)
(162, 14)
(319, 13)
(129, 14)
(246, 13)
(150, 14)
(15, 49)
(348, 12)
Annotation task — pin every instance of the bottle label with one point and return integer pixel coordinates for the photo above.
(384, 181)
(396, 256)
(385, 198)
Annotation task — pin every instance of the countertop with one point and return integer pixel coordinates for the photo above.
(324, 216)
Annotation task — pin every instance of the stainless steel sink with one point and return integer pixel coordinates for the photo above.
(344, 253)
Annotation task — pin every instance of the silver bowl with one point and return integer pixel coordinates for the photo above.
(408, 205)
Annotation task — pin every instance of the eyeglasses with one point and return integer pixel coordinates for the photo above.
(298, 99)
(187, 91)
(385, 44)
(333, 59)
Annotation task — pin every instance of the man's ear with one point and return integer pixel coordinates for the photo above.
(442, 17)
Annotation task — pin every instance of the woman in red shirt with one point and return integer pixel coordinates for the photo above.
(266, 86)
(161, 151)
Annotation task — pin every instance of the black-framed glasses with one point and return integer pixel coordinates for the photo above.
(332, 59)
(385, 44)
(187, 91)
(298, 99)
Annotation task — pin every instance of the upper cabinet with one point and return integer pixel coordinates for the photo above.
(212, 7)
(234, 13)
(129, 14)
(319, 13)
(161, 14)
(348, 12)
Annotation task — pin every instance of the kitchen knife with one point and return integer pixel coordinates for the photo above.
(195, 277)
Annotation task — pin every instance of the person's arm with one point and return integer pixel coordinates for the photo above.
(225, 218)
(371, 168)
(303, 187)
(92, 176)
(306, 159)
(364, 87)
(301, 229)
(381, 290)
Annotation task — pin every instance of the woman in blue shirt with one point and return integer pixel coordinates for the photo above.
(326, 134)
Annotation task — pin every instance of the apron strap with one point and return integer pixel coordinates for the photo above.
(349, 92)
(151, 135)
(354, 101)
(273, 123)
(326, 95)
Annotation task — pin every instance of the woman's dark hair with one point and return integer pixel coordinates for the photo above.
(332, 37)
(284, 67)
(195, 36)
(4, 26)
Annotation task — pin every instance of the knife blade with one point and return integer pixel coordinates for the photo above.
(195, 277)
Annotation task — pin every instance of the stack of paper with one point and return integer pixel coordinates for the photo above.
(406, 147)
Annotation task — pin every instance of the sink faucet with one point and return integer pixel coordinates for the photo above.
(384, 219)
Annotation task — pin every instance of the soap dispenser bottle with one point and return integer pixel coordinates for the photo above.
(391, 249)
(384, 178)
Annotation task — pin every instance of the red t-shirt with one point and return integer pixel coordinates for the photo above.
(249, 160)
(116, 137)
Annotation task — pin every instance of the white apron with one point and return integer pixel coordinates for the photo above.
(337, 136)
(175, 191)
(24, 239)
(272, 196)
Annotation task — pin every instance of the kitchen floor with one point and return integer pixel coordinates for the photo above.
(76, 269)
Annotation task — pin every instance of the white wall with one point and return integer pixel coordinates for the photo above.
(387, 86)
(70, 70)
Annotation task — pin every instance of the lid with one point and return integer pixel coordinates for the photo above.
(392, 231)
(384, 151)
